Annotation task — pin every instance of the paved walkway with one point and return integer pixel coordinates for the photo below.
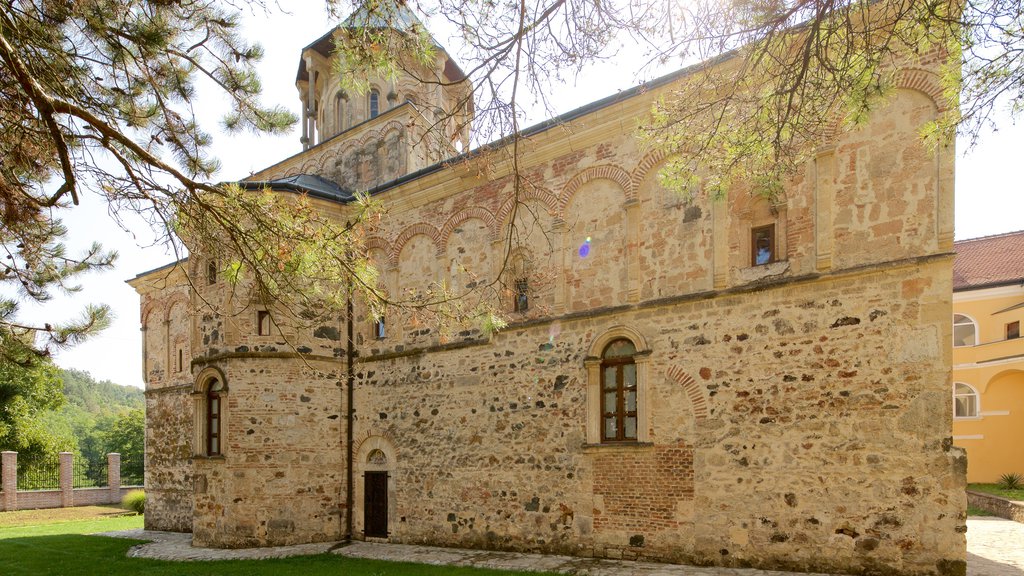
(995, 547)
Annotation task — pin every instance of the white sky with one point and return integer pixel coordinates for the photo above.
(988, 199)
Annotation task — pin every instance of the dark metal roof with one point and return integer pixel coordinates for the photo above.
(311, 184)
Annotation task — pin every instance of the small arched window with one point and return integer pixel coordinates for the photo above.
(374, 103)
(965, 401)
(213, 417)
(618, 392)
(965, 331)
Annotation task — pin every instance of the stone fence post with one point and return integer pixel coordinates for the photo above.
(114, 476)
(9, 461)
(67, 492)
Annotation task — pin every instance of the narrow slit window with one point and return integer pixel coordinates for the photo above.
(1013, 330)
(762, 245)
(374, 103)
(379, 329)
(263, 323)
(181, 358)
(211, 273)
(522, 300)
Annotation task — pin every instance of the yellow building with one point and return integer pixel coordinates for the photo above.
(988, 355)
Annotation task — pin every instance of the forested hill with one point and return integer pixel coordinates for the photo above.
(98, 398)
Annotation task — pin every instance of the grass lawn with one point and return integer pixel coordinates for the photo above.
(995, 490)
(972, 511)
(57, 542)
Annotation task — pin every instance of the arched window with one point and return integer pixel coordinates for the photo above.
(213, 417)
(965, 401)
(618, 392)
(374, 103)
(965, 331)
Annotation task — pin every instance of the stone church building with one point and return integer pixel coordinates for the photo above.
(731, 382)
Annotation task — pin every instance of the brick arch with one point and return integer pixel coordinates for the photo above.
(407, 234)
(925, 82)
(648, 163)
(916, 79)
(543, 196)
(603, 172)
(693, 391)
(149, 308)
(375, 439)
(178, 298)
(460, 217)
(377, 243)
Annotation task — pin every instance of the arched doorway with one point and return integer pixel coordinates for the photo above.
(375, 495)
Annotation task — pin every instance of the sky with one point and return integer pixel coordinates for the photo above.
(988, 189)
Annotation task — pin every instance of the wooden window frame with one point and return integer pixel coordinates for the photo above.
(211, 273)
(521, 298)
(619, 412)
(214, 417)
(772, 245)
(262, 315)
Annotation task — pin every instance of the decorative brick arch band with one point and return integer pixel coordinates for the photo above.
(543, 196)
(460, 218)
(604, 172)
(647, 164)
(417, 229)
(693, 391)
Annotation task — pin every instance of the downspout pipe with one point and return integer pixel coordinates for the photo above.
(350, 378)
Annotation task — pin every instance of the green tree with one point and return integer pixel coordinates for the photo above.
(126, 435)
(27, 392)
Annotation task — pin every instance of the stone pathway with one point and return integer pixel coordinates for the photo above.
(178, 546)
(995, 547)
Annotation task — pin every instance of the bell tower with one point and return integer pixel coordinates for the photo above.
(390, 126)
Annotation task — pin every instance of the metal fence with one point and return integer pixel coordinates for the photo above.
(132, 471)
(41, 475)
(89, 474)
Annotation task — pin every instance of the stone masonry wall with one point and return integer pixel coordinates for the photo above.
(166, 325)
(280, 479)
(817, 439)
(796, 414)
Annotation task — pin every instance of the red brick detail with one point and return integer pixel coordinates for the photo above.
(461, 216)
(643, 169)
(528, 193)
(642, 488)
(377, 243)
(176, 298)
(923, 81)
(407, 234)
(928, 83)
(606, 172)
(693, 391)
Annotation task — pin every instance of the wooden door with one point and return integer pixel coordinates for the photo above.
(375, 504)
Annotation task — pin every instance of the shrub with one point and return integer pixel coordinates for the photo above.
(1011, 481)
(135, 500)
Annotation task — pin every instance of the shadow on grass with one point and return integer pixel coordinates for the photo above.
(76, 554)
